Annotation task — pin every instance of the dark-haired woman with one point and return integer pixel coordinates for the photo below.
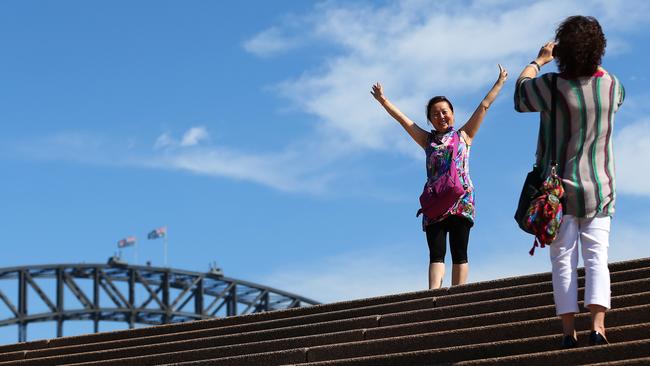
(459, 218)
(587, 98)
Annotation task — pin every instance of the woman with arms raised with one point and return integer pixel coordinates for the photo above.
(438, 146)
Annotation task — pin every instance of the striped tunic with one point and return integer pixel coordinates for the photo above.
(583, 139)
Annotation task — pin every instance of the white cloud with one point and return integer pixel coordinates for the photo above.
(270, 42)
(284, 171)
(193, 136)
(163, 141)
(356, 274)
(632, 151)
(287, 170)
(401, 268)
(416, 49)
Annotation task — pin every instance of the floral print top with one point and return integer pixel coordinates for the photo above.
(438, 153)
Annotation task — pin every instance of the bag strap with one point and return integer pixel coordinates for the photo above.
(553, 121)
(455, 141)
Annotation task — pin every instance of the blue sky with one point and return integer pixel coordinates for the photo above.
(248, 129)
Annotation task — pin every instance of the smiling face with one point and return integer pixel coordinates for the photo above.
(441, 116)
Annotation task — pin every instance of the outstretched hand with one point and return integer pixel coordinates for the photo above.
(503, 74)
(378, 92)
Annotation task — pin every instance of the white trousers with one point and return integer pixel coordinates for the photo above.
(593, 234)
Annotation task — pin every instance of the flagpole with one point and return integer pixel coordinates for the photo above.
(165, 244)
(135, 253)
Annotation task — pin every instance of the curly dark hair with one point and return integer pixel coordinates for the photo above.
(580, 46)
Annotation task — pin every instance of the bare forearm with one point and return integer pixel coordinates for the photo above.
(544, 56)
(530, 71)
(417, 133)
(492, 95)
(396, 114)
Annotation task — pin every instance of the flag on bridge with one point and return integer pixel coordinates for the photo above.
(160, 232)
(126, 242)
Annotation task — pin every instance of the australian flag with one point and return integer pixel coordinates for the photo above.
(126, 242)
(160, 232)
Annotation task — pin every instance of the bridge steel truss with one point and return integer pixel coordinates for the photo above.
(131, 294)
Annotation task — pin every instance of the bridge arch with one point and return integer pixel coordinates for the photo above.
(129, 293)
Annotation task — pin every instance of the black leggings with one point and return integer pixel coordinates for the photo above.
(458, 229)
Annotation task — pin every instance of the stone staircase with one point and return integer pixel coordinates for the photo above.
(502, 322)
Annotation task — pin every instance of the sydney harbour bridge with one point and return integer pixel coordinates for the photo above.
(131, 294)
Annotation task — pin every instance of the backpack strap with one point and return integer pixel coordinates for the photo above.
(553, 119)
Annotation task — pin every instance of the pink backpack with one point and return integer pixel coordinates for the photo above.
(440, 194)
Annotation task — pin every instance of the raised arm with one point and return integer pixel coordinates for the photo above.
(474, 123)
(418, 134)
(544, 56)
(527, 90)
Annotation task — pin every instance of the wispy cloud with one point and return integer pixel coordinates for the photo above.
(391, 269)
(287, 170)
(632, 171)
(193, 136)
(271, 42)
(415, 48)
(418, 49)
(282, 171)
(163, 141)
(355, 274)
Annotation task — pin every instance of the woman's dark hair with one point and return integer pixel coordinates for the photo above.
(435, 100)
(580, 46)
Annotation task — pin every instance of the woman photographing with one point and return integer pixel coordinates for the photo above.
(587, 98)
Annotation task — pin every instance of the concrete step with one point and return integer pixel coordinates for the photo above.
(488, 319)
(347, 343)
(530, 288)
(620, 353)
(541, 277)
(283, 314)
(287, 314)
(375, 304)
(643, 361)
(486, 314)
(446, 341)
(184, 341)
(204, 338)
(182, 351)
(315, 323)
(499, 305)
(504, 352)
(209, 329)
(503, 331)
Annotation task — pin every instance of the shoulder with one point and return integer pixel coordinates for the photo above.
(546, 77)
(613, 77)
